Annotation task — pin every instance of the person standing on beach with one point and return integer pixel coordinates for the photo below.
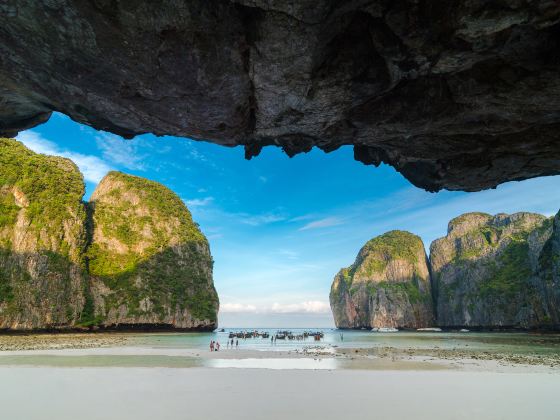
(217, 345)
(236, 343)
(212, 345)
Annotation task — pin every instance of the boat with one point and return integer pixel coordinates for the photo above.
(464, 330)
(428, 329)
(385, 329)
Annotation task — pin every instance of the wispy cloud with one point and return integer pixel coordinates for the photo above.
(306, 307)
(237, 308)
(260, 219)
(323, 223)
(312, 306)
(289, 254)
(92, 167)
(199, 202)
(122, 152)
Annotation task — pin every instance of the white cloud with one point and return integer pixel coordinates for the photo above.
(289, 254)
(307, 307)
(237, 308)
(120, 151)
(199, 202)
(260, 219)
(323, 223)
(91, 166)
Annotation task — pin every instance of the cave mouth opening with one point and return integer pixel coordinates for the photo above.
(279, 228)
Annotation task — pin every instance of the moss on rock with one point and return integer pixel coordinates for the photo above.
(387, 286)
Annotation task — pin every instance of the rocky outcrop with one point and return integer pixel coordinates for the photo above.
(133, 258)
(548, 273)
(42, 239)
(457, 94)
(149, 262)
(387, 286)
(484, 270)
(488, 272)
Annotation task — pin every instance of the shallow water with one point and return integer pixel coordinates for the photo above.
(514, 343)
(189, 350)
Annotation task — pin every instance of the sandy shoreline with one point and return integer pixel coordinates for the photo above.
(199, 393)
(119, 376)
(35, 350)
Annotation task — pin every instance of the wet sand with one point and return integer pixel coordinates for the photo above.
(202, 393)
(11, 342)
(125, 377)
(98, 349)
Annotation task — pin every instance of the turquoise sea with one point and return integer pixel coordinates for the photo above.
(503, 342)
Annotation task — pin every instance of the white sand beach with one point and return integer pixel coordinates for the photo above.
(201, 393)
(175, 376)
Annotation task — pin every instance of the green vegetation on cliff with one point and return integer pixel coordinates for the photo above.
(42, 238)
(388, 285)
(132, 256)
(146, 246)
(51, 188)
(483, 270)
(377, 252)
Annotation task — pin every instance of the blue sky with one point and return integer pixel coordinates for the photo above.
(280, 228)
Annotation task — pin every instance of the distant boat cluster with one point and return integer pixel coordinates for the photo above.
(280, 335)
(432, 329)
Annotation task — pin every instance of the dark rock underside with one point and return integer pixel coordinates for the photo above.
(461, 94)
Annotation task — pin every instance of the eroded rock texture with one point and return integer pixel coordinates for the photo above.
(387, 286)
(485, 271)
(488, 272)
(149, 262)
(455, 94)
(131, 258)
(42, 239)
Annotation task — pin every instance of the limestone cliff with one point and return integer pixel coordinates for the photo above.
(42, 239)
(387, 286)
(484, 270)
(149, 262)
(549, 276)
(131, 258)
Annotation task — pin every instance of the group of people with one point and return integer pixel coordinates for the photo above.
(215, 345)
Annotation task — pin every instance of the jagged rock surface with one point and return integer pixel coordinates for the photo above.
(454, 94)
(485, 271)
(133, 258)
(149, 262)
(387, 286)
(42, 239)
(549, 274)
(488, 272)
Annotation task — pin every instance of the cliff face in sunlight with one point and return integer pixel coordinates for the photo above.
(387, 286)
(488, 272)
(149, 262)
(485, 270)
(42, 239)
(132, 258)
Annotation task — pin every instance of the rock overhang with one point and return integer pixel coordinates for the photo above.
(458, 95)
